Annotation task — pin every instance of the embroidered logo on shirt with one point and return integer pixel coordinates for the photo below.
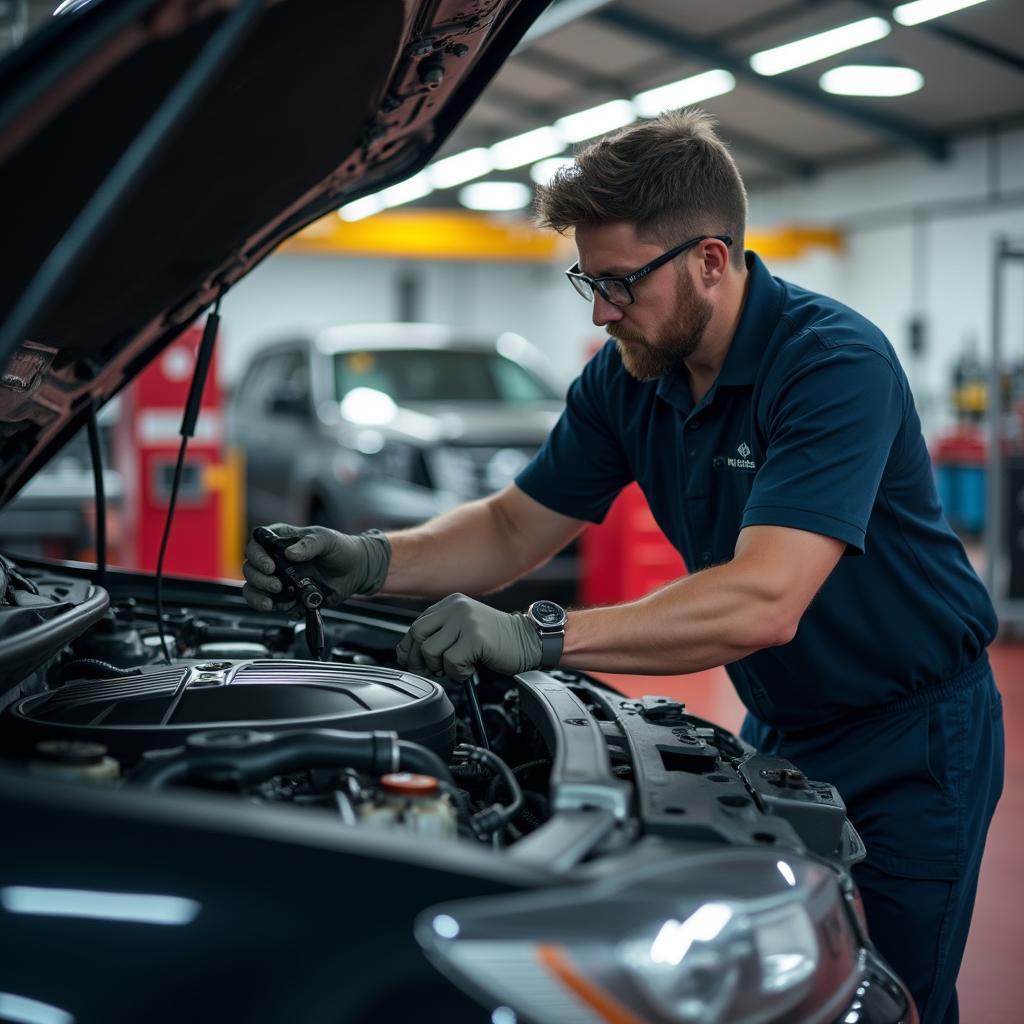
(743, 462)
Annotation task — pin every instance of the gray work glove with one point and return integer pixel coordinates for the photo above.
(457, 634)
(347, 563)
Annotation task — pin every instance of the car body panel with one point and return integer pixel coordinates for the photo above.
(243, 172)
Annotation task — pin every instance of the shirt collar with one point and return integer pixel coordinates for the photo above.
(757, 323)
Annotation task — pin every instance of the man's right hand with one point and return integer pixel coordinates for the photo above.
(347, 563)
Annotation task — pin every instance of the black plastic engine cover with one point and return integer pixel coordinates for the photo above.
(161, 705)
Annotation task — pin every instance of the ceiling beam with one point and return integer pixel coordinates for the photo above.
(978, 46)
(764, 20)
(584, 77)
(660, 34)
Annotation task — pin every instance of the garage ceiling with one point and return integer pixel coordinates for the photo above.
(585, 52)
(779, 127)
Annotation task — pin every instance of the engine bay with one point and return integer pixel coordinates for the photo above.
(548, 765)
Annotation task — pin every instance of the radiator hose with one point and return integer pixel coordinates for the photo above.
(248, 756)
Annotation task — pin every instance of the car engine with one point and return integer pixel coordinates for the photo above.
(239, 709)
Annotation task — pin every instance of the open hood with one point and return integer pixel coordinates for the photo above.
(310, 103)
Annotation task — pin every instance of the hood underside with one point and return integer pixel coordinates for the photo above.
(321, 101)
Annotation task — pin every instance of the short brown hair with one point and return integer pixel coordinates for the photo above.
(671, 176)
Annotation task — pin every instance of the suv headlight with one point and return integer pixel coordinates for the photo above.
(373, 454)
(735, 937)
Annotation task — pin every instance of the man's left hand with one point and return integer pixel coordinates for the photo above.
(458, 634)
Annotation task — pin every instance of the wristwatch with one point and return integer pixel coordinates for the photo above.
(549, 620)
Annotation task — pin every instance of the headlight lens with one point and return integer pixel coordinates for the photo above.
(371, 453)
(454, 471)
(737, 938)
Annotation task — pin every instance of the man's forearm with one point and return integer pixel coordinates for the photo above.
(711, 618)
(469, 550)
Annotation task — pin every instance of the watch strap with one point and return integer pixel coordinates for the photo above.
(551, 648)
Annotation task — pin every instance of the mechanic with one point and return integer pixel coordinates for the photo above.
(775, 437)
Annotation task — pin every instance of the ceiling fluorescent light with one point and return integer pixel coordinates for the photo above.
(544, 171)
(924, 10)
(454, 170)
(824, 44)
(361, 208)
(694, 89)
(495, 195)
(871, 80)
(595, 121)
(407, 191)
(526, 148)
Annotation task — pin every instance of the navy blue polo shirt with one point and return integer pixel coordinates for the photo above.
(810, 424)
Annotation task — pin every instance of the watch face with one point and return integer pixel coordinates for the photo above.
(547, 613)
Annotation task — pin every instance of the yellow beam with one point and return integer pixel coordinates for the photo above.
(793, 242)
(430, 234)
(463, 235)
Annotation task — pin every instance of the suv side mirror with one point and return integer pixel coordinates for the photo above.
(289, 401)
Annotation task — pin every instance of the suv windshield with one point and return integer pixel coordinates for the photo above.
(425, 375)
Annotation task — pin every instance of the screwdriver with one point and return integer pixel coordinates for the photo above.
(297, 583)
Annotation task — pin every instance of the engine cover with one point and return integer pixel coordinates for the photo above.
(162, 704)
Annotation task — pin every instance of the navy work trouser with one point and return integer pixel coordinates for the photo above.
(920, 779)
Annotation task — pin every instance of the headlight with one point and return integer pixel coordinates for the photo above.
(738, 937)
(455, 471)
(371, 453)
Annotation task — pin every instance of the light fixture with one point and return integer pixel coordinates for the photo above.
(924, 10)
(694, 89)
(545, 170)
(462, 167)
(495, 195)
(406, 191)
(526, 148)
(871, 80)
(361, 208)
(816, 47)
(595, 121)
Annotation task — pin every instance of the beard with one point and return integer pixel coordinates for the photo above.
(648, 358)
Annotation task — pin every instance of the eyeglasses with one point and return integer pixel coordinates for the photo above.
(618, 290)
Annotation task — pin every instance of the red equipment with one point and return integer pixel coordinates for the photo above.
(627, 556)
(146, 449)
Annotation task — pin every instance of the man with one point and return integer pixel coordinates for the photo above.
(775, 437)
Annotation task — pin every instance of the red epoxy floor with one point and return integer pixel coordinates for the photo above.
(991, 984)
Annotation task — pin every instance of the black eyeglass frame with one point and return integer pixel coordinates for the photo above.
(577, 277)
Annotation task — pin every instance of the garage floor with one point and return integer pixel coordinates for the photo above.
(991, 984)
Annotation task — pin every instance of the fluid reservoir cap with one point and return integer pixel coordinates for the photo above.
(71, 752)
(409, 784)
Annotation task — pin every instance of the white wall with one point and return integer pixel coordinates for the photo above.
(920, 236)
(921, 241)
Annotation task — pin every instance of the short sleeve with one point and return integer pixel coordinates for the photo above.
(582, 465)
(830, 427)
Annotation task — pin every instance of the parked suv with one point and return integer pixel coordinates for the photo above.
(388, 424)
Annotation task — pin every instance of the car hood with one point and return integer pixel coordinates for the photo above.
(315, 103)
(477, 423)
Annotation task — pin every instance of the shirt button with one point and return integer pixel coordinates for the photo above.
(693, 453)
(706, 557)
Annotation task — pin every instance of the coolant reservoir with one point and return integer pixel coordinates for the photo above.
(414, 803)
(74, 761)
